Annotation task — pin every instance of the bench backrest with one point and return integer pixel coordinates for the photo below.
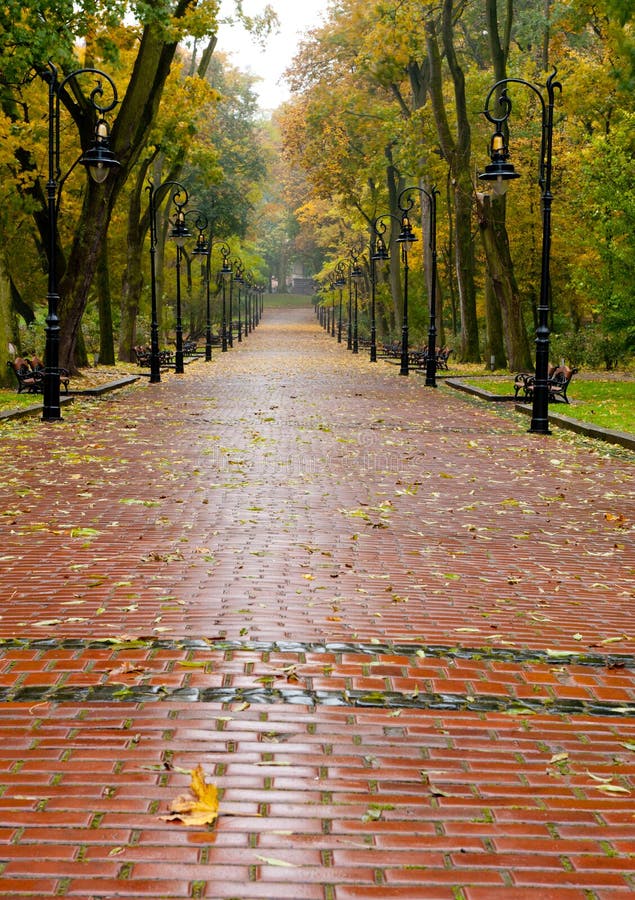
(562, 374)
(21, 365)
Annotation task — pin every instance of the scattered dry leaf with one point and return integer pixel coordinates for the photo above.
(198, 808)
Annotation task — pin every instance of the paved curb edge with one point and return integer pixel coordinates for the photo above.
(36, 409)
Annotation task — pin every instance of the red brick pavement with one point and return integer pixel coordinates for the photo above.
(392, 627)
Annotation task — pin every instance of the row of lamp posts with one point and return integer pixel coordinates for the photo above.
(231, 272)
(100, 160)
(499, 172)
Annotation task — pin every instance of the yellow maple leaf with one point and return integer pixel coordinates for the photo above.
(198, 808)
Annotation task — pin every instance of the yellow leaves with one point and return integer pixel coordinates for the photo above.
(198, 808)
(618, 520)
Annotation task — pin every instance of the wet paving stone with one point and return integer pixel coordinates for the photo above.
(392, 627)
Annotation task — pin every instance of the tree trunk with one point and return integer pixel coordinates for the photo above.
(503, 282)
(495, 355)
(104, 301)
(395, 184)
(6, 318)
(504, 306)
(132, 278)
(137, 112)
(457, 153)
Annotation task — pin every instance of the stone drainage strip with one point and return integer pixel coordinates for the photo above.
(377, 699)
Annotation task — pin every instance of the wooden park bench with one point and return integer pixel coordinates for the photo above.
(392, 351)
(420, 357)
(558, 380)
(143, 354)
(30, 375)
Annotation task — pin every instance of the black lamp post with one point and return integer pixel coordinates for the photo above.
(235, 265)
(203, 248)
(225, 274)
(179, 234)
(355, 274)
(408, 236)
(248, 302)
(349, 324)
(500, 172)
(340, 282)
(404, 238)
(226, 253)
(257, 302)
(240, 280)
(378, 253)
(179, 198)
(333, 288)
(99, 160)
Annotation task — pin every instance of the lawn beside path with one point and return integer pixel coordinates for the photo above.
(392, 627)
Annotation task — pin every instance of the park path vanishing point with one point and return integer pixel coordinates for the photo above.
(394, 629)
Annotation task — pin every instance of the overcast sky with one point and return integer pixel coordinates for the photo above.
(296, 18)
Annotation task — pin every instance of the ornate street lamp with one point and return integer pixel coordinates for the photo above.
(248, 276)
(404, 238)
(236, 265)
(179, 234)
(203, 248)
(431, 197)
(500, 172)
(378, 253)
(340, 283)
(355, 274)
(99, 160)
(225, 274)
(332, 288)
(239, 279)
(226, 253)
(179, 199)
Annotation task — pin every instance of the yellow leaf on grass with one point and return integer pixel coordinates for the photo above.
(198, 808)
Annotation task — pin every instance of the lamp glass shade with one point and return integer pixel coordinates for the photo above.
(406, 235)
(180, 232)
(202, 246)
(99, 158)
(381, 251)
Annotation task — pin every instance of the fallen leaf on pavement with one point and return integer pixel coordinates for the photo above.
(200, 807)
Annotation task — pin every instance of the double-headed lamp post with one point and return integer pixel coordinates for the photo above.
(407, 236)
(500, 172)
(179, 199)
(99, 160)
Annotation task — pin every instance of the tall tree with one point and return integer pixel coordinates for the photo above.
(160, 27)
(507, 335)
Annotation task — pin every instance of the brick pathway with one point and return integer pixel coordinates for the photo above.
(393, 628)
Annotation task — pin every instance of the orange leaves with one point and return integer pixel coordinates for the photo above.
(198, 808)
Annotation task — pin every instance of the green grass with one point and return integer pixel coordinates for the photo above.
(10, 400)
(287, 301)
(606, 403)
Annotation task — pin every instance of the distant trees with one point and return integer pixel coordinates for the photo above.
(413, 79)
